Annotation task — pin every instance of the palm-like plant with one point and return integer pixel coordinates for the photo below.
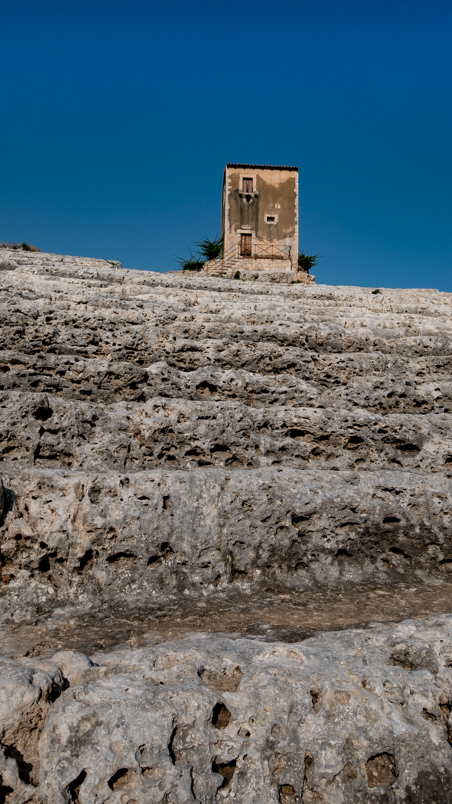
(191, 263)
(307, 261)
(206, 250)
(210, 249)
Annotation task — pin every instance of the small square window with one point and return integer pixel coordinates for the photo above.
(270, 218)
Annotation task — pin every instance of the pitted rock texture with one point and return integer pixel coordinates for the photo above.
(357, 716)
(189, 453)
(165, 434)
(95, 538)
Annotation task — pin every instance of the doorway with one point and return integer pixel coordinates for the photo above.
(245, 245)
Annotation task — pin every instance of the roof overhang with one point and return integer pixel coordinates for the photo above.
(262, 167)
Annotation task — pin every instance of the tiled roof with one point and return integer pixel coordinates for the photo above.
(262, 167)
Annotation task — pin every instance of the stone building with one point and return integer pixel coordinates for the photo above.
(260, 221)
(260, 211)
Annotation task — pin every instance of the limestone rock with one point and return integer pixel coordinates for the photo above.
(167, 438)
(26, 693)
(225, 433)
(106, 537)
(75, 667)
(341, 717)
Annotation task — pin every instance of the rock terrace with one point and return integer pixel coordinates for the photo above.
(205, 476)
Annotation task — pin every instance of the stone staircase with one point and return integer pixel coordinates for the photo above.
(260, 269)
(225, 268)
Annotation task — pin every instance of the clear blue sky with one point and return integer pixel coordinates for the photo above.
(117, 119)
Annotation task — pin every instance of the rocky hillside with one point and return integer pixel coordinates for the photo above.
(236, 467)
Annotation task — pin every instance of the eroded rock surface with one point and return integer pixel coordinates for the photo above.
(356, 716)
(258, 451)
(189, 433)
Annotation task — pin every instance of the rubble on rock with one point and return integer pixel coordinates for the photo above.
(173, 441)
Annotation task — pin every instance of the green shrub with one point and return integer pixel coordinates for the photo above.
(375, 291)
(236, 275)
(21, 246)
(210, 249)
(205, 250)
(191, 263)
(307, 261)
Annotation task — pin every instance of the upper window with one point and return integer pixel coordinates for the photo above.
(270, 218)
(247, 185)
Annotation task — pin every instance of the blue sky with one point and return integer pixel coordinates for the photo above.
(117, 119)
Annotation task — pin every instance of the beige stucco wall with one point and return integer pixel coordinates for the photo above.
(275, 193)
